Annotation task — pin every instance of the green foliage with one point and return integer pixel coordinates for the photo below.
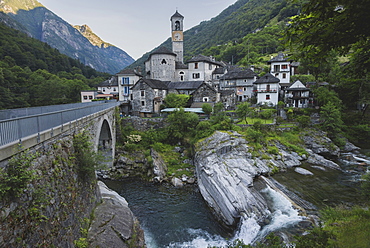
(204, 129)
(207, 108)
(332, 122)
(317, 237)
(173, 100)
(18, 174)
(182, 126)
(243, 111)
(87, 160)
(365, 186)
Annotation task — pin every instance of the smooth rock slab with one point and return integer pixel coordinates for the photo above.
(114, 224)
(303, 171)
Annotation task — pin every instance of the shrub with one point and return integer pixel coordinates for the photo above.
(18, 174)
(87, 160)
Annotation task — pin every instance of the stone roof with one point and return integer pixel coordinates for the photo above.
(180, 65)
(177, 14)
(127, 71)
(155, 84)
(238, 73)
(112, 82)
(202, 58)
(185, 85)
(279, 58)
(163, 50)
(267, 78)
(227, 92)
(298, 85)
(219, 70)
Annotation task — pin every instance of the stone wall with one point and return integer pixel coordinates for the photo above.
(141, 124)
(51, 210)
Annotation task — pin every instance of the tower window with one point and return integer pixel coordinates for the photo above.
(177, 25)
(164, 62)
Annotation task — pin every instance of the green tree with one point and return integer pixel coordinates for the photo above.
(182, 126)
(173, 100)
(243, 111)
(332, 123)
(207, 108)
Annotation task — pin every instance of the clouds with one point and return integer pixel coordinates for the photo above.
(136, 26)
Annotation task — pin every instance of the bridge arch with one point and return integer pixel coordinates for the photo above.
(104, 137)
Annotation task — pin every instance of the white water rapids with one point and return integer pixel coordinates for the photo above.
(282, 215)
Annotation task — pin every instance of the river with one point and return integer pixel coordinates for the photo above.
(178, 217)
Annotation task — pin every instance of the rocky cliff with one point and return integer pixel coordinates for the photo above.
(44, 25)
(227, 168)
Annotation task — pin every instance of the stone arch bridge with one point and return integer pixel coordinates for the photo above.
(30, 128)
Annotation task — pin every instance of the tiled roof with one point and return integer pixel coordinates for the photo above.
(113, 81)
(177, 14)
(163, 50)
(238, 73)
(129, 72)
(202, 58)
(185, 85)
(279, 58)
(180, 65)
(267, 78)
(155, 84)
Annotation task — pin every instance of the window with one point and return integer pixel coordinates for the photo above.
(210, 66)
(142, 93)
(114, 89)
(267, 97)
(126, 90)
(205, 99)
(90, 97)
(276, 67)
(103, 89)
(195, 65)
(164, 62)
(268, 88)
(181, 75)
(125, 80)
(85, 97)
(142, 103)
(196, 75)
(155, 92)
(284, 75)
(284, 66)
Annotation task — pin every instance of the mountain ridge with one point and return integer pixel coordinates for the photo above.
(48, 27)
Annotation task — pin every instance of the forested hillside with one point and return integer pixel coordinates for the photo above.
(33, 74)
(231, 26)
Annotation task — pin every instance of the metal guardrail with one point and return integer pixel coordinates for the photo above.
(20, 127)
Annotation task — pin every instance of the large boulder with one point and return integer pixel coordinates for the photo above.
(114, 224)
(225, 171)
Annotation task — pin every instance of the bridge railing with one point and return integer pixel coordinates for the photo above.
(16, 129)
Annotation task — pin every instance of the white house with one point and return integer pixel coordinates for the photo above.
(127, 78)
(267, 89)
(297, 95)
(280, 68)
(201, 68)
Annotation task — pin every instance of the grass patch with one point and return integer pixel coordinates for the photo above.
(251, 121)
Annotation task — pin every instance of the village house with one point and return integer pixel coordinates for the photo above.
(240, 80)
(298, 95)
(147, 96)
(267, 89)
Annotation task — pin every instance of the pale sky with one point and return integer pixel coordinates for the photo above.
(135, 26)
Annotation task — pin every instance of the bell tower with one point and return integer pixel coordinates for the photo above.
(177, 25)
